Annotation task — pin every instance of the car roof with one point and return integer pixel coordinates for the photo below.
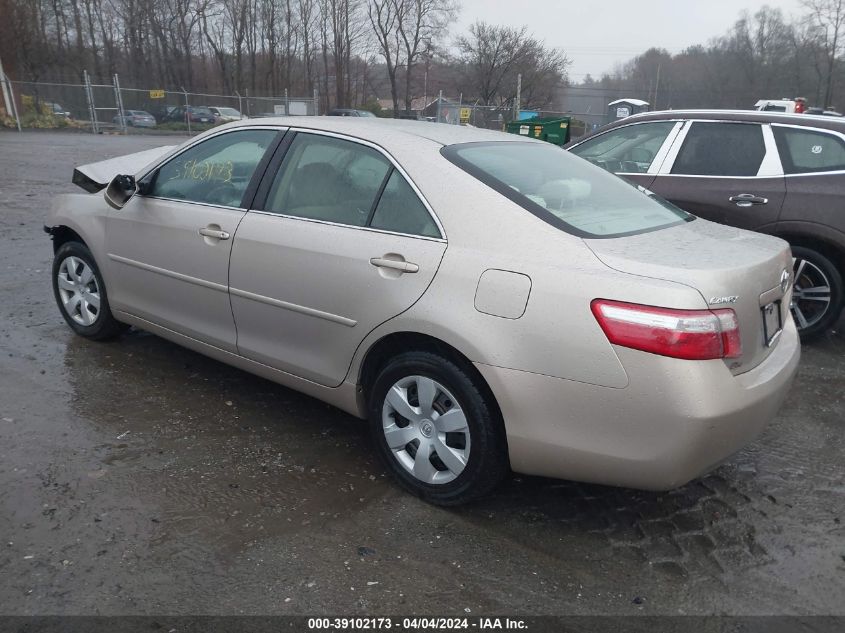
(754, 116)
(386, 131)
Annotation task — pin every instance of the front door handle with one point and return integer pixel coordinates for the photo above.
(216, 234)
(395, 264)
(747, 199)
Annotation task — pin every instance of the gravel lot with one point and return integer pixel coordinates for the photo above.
(137, 477)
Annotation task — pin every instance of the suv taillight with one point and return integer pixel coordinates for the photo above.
(687, 334)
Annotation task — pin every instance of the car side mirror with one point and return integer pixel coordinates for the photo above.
(120, 190)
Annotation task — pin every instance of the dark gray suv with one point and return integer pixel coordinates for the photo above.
(782, 174)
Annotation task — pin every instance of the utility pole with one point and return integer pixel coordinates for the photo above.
(516, 105)
(7, 98)
(656, 86)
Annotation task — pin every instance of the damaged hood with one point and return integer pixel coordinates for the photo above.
(95, 177)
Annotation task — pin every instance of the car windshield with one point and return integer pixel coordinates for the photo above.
(228, 112)
(564, 190)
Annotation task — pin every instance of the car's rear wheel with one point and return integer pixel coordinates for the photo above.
(436, 430)
(817, 296)
(81, 294)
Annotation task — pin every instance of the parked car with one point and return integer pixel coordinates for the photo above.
(196, 114)
(350, 112)
(486, 301)
(225, 115)
(774, 173)
(136, 118)
(162, 113)
(789, 106)
(823, 112)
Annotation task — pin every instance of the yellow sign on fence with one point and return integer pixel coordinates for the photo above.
(465, 114)
(156, 94)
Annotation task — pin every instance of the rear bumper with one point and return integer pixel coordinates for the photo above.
(675, 420)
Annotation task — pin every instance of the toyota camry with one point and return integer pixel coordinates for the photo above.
(487, 302)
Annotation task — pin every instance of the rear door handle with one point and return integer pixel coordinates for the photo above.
(393, 264)
(217, 234)
(747, 199)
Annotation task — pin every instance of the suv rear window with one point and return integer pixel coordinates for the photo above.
(804, 151)
(564, 190)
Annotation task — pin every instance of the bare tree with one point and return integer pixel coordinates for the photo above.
(827, 17)
(491, 58)
(385, 17)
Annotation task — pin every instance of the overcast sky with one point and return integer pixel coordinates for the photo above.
(597, 34)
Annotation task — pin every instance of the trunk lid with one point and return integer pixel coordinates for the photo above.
(729, 267)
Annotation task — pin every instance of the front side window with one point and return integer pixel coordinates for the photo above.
(216, 171)
(564, 190)
(721, 149)
(630, 149)
(804, 151)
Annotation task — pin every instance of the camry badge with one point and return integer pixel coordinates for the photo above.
(715, 301)
(784, 281)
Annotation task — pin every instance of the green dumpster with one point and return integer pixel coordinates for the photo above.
(552, 129)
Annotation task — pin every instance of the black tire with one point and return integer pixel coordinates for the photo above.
(818, 265)
(487, 463)
(104, 325)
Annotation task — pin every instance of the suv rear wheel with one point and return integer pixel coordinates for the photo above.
(817, 296)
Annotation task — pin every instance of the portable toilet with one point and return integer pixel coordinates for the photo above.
(623, 108)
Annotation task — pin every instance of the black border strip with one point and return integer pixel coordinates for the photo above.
(350, 622)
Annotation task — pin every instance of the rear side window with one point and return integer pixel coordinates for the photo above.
(630, 149)
(721, 149)
(335, 180)
(329, 179)
(805, 151)
(400, 210)
(564, 190)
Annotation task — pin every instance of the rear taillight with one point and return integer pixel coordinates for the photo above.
(687, 334)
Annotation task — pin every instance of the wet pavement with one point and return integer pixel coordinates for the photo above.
(137, 477)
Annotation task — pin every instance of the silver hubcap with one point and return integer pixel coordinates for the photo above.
(426, 429)
(78, 290)
(811, 293)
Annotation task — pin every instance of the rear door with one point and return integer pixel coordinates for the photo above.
(814, 164)
(339, 242)
(634, 151)
(725, 171)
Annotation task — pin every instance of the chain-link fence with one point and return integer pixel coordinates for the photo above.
(453, 111)
(108, 106)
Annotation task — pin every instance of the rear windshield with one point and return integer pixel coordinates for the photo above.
(565, 190)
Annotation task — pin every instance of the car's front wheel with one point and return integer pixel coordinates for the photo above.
(818, 294)
(81, 294)
(436, 430)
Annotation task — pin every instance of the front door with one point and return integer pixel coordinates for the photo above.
(725, 172)
(634, 151)
(342, 243)
(168, 250)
